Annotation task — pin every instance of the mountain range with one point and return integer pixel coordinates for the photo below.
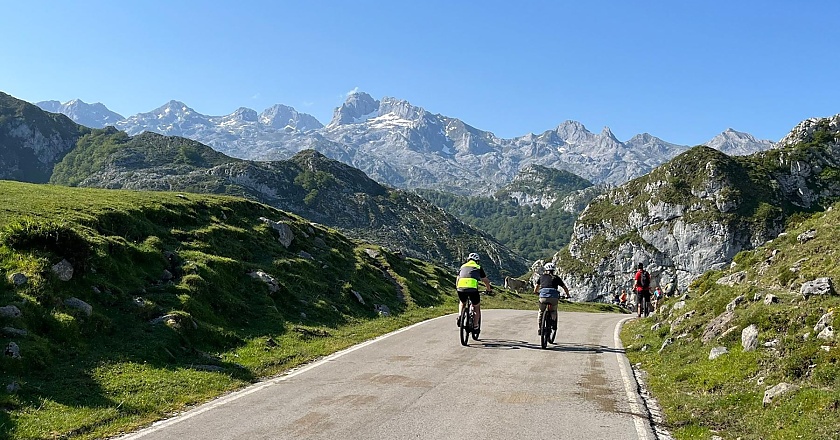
(405, 146)
(308, 184)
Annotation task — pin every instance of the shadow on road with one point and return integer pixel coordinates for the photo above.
(510, 344)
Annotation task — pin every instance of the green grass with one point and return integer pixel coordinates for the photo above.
(96, 376)
(701, 397)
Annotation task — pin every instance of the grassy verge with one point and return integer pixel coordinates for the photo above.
(702, 397)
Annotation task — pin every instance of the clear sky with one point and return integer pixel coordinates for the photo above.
(682, 70)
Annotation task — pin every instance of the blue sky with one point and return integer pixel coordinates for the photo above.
(681, 70)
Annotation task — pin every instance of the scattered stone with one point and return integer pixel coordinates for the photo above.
(358, 297)
(717, 352)
(656, 326)
(760, 380)
(645, 347)
(139, 301)
(273, 285)
(770, 299)
(12, 332)
(302, 315)
(12, 351)
(10, 312)
(63, 270)
(806, 236)
(685, 297)
(18, 279)
(827, 333)
(310, 332)
(757, 297)
(680, 320)
(270, 342)
(728, 332)
(306, 255)
(167, 275)
(76, 303)
(372, 253)
(95, 290)
(806, 336)
(310, 230)
(825, 347)
(638, 336)
(319, 242)
(382, 309)
(824, 322)
(749, 338)
(181, 196)
(819, 286)
(170, 320)
(776, 391)
(13, 388)
(733, 279)
(284, 231)
(716, 326)
(771, 344)
(679, 305)
(734, 303)
(666, 343)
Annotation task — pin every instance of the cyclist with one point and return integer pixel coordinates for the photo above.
(546, 287)
(467, 285)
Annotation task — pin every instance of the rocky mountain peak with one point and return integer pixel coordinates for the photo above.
(808, 129)
(283, 116)
(737, 143)
(358, 107)
(607, 133)
(94, 115)
(244, 114)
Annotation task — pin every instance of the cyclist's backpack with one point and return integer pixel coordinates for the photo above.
(645, 280)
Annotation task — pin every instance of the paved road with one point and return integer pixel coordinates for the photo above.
(420, 383)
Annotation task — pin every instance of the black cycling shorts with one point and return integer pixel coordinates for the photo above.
(642, 294)
(471, 294)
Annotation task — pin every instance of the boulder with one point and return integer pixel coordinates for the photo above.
(12, 351)
(284, 231)
(76, 303)
(273, 285)
(824, 322)
(827, 333)
(733, 279)
(749, 338)
(372, 253)
(678, 305)
(167, 275)
(306, 255)
(717, 326)
(382, 309)
(18, 279)
(680, 320)
(13, 388)
(778, 390)
(734, 303)
(12, 332)
(666, 343)
(806, 236)
(770, 299)
(717, 352)
(63, 270)
(10, 312)
(819, 286)
(656, 326)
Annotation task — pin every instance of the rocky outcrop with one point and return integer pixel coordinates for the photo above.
(699, 210)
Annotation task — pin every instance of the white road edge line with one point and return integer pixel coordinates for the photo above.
(636, 408)
(157, 426)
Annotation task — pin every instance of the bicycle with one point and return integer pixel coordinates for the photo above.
(644, 305)
(548, 326)
(467, 321)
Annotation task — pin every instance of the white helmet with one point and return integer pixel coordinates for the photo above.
(473, 256)
(549, 267)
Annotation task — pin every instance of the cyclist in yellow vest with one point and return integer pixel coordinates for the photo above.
(467, 286)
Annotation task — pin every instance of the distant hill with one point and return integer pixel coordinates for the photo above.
(309, 184)
(533, 214)
(33, 141)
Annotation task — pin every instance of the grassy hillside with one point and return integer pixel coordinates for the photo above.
(702, 397)
(176, 318)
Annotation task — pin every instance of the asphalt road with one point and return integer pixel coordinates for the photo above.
(420, 383)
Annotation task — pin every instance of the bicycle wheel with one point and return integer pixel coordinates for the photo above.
(546, 329)
(553, 332)
(465, 326)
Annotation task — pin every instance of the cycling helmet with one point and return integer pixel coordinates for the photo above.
(549, 267)
(474, 256)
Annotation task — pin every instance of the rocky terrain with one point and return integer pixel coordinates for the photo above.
(696, 212)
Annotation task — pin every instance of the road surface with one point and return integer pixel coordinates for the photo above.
(421, 383)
